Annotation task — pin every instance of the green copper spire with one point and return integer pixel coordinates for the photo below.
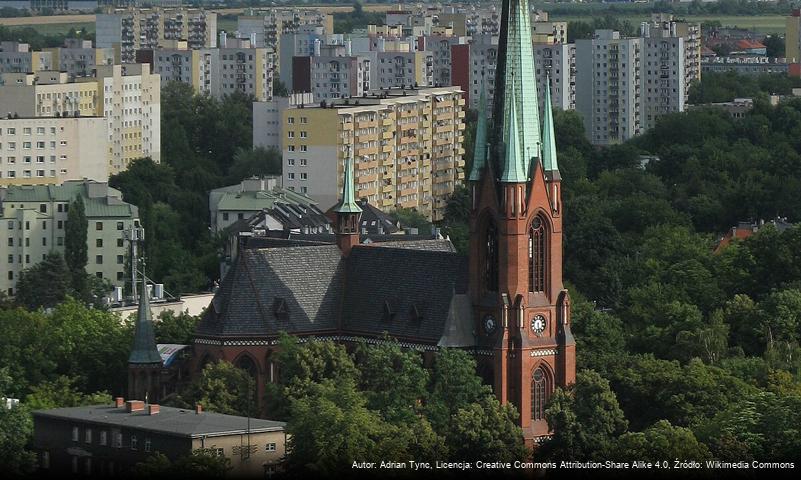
(348, 203)
(516, 82)
(514, 171)
(548, 137)
(480, 150)
(144, 347)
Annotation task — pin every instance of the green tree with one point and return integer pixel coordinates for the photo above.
(221, 387)
(454, 385)
(16, 430)
(63, 392)
(585, 419)
(172, 328)
(75, 246)
(660, 442)
(256, 162)
(486, 430)
(202, 463)
(51, 272)
(411, 218)
(394, 381)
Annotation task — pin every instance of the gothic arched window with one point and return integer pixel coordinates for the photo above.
(537, 256)
(539, 393)
(491, 258)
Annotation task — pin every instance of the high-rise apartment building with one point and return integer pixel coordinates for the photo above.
(406, 146)
(556, 63)
(609, 86)
(664, 84)
(19, 58)
(663, 26)
(792, 37)
(33, 221)
(51, 150)
(127, 96)
(133, 29)
(336, 73)
(77, 58)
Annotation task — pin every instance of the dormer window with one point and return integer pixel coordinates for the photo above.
(280, 308)
(389, 312)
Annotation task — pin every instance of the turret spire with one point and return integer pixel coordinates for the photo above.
(348, 203)
(144, 346)
(480, 149)
(514, 169)
(549, 163)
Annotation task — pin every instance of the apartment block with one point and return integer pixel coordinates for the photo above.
(32, 224)
(406, 145)
(483, 60)
(269, 26)
(663, 26)
(664, 85)
(307, 42)
(337, 73)
(127, 96)
(556, 62)
(128, 30)
(410, 69)
(268, 119)
(792, 37)
(79, 58)
(609, 86)
(52, 150)
(18, 57)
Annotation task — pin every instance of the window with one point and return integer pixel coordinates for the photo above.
(539, 393)
(43, 207)
(270, 447)
(133, 442)
(99, 259)
(45, 460)
(88, 435)
(99, 226)
(147, 444)
(74, 432)
(289, 175)
(304, 176)
(99, 243)
(60, 224)
(290, 134)
(120, 243)
(303, 134)
(491, 258)
(103, 438)
(11, 224)
(304, 148)
(10, 258)
(60, 241)
(536, 255)
(303, 162)
(118, 440)
(120, 226)
(225, 216)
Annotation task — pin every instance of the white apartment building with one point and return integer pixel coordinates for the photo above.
(267, 119)
(127, 96)
(79, 59)
(483, 60)
(131, 29)
(337, 73)
(33, 220)
(557, 62)
(52, 150)
(664, 85)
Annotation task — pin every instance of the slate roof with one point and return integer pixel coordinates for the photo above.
(307, 280)
(415, 285)
(404, 288)
(171, 421)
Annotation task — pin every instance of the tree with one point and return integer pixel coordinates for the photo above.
(486, 430)
(75, 246)
(202, 463)
(256, 162)
(51, 272)
(660, 442)
(16, 430)
(221, 387)
(172, 328)
(585, 419)
(63, 393)
(454, 385)
(279, 89)
(411, 218)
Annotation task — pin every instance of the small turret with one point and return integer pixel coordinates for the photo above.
(348, 212)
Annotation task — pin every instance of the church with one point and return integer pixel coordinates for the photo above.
(504, 303)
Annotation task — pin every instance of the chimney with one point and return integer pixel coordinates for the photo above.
(153, 409)
(119, 402)
(198, 409)
(134, 406)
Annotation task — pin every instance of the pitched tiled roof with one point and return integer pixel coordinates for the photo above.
(406, 293)
(307, 280)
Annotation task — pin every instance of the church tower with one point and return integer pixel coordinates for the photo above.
(348, 212)
(521, 309)
(144, 362)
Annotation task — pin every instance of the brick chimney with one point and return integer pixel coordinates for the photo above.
(153, 409)
(134, 406)
(198, 409)
(119, 402)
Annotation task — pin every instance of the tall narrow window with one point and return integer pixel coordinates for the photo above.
(539, 394)
(536, 256)
(491, 258)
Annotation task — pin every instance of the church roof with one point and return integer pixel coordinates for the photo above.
(144, 349)
(397, 289)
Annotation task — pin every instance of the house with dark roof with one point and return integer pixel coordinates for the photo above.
(504, 302)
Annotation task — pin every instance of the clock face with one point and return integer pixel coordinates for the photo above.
(489, 324)
(538, 324)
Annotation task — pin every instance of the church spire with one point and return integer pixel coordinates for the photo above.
(348, 203)
(549, 163)
(480, 149)
(516, 83)
(514, 171)
(144, 346)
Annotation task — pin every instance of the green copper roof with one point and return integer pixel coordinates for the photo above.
(514, 171)
(348, 203)
(144, 347)
(548, 137)
(517, 82)
(480, 150)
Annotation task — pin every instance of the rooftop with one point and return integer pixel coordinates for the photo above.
(169, 421)
(100, 200)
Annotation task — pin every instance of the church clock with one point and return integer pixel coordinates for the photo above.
(489, 324)
(538, 324)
